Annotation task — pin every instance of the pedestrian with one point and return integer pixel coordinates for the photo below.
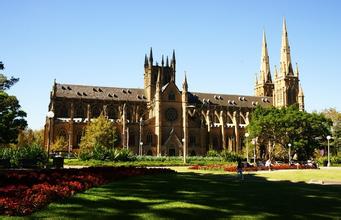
(240, 169)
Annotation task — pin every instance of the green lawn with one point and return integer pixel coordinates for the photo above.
(206, 195)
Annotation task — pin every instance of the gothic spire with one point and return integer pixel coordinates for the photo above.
(265, 75)
(173, 59)
(184, 83)
(151, 57)
(158, 81)
(145, 60)
(167, 63)
(286, 66)
(162, 61)
(300, 91)
(297, 73)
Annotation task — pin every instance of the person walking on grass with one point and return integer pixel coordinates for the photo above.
(240, 169)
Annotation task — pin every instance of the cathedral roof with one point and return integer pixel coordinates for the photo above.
(198, 98)
(99, 92)
(137, 95)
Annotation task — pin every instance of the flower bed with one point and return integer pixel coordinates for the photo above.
(23, 192)
(229, 168)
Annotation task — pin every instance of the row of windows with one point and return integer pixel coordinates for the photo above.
(81, 112)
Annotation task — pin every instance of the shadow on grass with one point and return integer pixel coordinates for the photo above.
(200, 196)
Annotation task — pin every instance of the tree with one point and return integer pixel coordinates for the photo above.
(275, 126)
(335, 116)
(29, 137)
(100, 132)
(60, 144)
(12, 118)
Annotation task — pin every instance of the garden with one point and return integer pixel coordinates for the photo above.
(25, 191)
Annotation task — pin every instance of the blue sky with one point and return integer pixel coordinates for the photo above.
(218, 43)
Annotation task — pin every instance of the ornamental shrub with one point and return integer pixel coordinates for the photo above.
(229, 156)
(212, 153)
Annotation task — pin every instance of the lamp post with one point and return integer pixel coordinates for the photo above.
(140, 142)
(50, 116)
(289, 153)
(247, 147)
(328, 138)
(254, 142)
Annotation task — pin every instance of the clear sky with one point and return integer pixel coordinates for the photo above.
(218, 43)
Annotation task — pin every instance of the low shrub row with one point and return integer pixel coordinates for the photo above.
(229, 168)
(23, 192)
(334, 160)
(21, 157)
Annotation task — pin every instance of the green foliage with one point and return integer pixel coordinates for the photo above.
(122, 155)
(12, 118)
(334, 160)
(6, 83)
(289, 125)
(230, 156)
(100, 153)
(30, 137)
(59, 144)
(100, 132)
(34, 152)
(212, 153)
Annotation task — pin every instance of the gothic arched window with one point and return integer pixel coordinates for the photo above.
(192, 140)
(112, 113)
(63, 111)
(79, 111)
(149, 138)
(95, 111)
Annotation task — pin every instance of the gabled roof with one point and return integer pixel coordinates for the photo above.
(99, 92)
(197, 98)
(137, 95)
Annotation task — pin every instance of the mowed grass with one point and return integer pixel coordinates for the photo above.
(205, 195)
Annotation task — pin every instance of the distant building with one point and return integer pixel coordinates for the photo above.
(162, 118)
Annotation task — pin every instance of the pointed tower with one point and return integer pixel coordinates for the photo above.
(151, 57)
(286, 81)
(264, 85)
(184, 97)
(301, 98)
(151, 72)
(173, 66)
(157, 112)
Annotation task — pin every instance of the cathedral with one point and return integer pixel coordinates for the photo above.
(164, 119)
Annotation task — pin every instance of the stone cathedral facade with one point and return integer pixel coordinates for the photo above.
(164, 119)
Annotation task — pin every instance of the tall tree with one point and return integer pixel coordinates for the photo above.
(289, 125)
(12, 118)
(101, 132)
(335, 116)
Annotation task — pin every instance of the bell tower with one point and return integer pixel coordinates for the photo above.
(286, 80)
(151, 72)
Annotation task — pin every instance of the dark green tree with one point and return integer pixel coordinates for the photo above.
(12, 118)
(289, 125)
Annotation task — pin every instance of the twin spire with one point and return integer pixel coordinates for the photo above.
(285, 59)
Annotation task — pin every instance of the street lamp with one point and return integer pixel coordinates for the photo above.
(140, 142)
(328, 138)
(254, 142)
(50, 116)
(247, 147)
(289, 153)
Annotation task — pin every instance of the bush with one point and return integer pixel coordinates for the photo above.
(85, 155)
(34, 152)
(100, 153)
(121, 155)
(230, 156)
(212, 153)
